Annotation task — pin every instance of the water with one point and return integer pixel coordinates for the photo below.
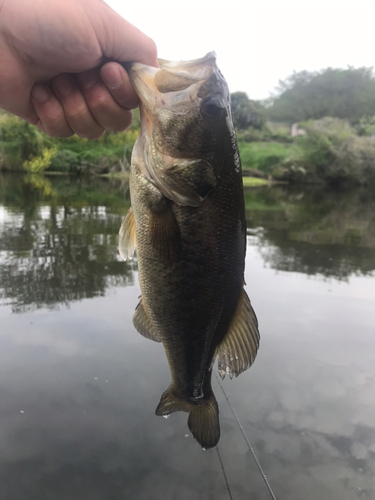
(79, 386)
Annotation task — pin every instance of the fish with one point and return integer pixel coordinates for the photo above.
(187, 226)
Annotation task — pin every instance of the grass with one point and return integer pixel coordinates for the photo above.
(254, 182)
(264, 155)
(116, 175)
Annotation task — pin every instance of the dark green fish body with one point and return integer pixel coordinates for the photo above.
(188, 225)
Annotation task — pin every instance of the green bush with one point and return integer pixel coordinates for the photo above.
(334, 154)
(253, 135)
(38, 164)
(269, 132)
(19, 141)
(281, 134)
(366, 126)
(64, 161)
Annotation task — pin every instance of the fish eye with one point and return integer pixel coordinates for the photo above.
(213, 107)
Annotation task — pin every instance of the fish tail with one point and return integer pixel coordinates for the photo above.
(203, 418)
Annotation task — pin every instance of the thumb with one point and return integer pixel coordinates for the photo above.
(120, 40)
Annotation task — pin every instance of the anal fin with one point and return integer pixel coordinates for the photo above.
(169, 403)
(238, 349)
(142, 323)
(127, 240)
(203, 418)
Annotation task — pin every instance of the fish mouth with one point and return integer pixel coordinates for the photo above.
(188, 64)
(180, 79)
(188, 92)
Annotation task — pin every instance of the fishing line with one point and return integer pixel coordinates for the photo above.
(247, 441)
(224, 473)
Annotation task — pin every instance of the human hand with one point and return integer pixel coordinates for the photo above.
(53, 65)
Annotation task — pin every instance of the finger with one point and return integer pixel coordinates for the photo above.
(103, 107)
(31, 117)
(77, 113)
(50, 112)
(118, 83)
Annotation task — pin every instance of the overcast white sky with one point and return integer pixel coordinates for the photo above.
(259, 42)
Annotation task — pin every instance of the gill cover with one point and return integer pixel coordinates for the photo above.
(183, 105)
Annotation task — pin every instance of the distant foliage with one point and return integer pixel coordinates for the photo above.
(64, 161)
(264, 156)
(38, 164)
(19, 141)
(269, 132)
(246, 113)
(23, 146)
(331, 153)
(341, 93)
(366, 126)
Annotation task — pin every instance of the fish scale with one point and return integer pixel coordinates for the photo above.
(187, 224)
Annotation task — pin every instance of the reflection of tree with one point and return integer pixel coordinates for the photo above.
(61, 248)
(314, 231)
(53, 254)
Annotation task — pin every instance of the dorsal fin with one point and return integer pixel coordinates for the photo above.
(127, 241)
(238, 349)
(142, 323)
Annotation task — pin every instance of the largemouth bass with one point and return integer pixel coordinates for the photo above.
(187, 224)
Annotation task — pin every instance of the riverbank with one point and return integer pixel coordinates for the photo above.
(331, 152)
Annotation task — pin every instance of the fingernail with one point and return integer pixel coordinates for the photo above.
(88, 79)
(40, 93)
(112, 76)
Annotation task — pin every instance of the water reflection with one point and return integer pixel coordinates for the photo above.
(314, 231)
(87, 383)
(59, 245)
(58, 236)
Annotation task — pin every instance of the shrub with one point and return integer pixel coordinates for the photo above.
(253, 135)
(333, 153)
(19, 141)
(366, 127)
(64, 161)
(37, 164)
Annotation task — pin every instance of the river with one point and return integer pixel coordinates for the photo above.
(79, 386)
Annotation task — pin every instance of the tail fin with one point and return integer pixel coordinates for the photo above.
(203, 418)
(204, 424)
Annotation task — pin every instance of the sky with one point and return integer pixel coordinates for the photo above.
(259, 42)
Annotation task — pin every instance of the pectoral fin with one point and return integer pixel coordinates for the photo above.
(189, 184)
(142, 323)
(127, 241)
(238, 349)
(165, 233)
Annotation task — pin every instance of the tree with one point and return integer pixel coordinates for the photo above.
(341, 93)
(246, 113)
